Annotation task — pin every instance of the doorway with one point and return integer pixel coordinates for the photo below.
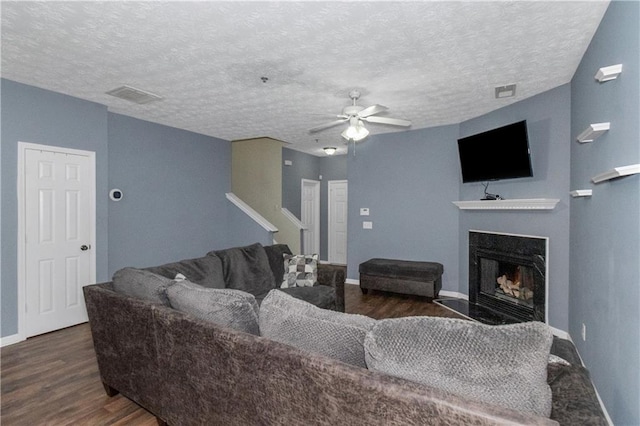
(337, 235)
(310, 216)
(56, 236)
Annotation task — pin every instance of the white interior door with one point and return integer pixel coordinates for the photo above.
(59, 228)
(310, 212)
(338, 221)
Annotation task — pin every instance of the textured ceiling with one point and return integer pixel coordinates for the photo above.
(433, 63)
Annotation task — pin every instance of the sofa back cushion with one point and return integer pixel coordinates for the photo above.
(502, 365)
(230, 308)
(288, 320)
(142, 285)
(206, 271)
(275, 254)
(246, 268)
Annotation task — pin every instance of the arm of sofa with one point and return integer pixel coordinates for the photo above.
(123, 335)
(333, 276)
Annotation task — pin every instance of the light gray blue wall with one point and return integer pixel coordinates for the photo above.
(306, 166)
(605, 229)
(408, 181)
(548, 124)
(244, 231)
(39, 116)
(174, 185)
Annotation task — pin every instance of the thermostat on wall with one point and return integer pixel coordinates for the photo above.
(115, 194)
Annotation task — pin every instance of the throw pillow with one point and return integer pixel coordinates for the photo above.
(142, 285)
(288, 320)
(300, 270)
(247, 269)
(230, 308)
(504, 365)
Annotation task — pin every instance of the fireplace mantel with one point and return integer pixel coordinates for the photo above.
(519, 204)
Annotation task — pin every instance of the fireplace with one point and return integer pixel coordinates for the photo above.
(507, 274)
(507, 279)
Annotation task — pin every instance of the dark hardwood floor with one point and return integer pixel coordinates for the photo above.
(53, 379)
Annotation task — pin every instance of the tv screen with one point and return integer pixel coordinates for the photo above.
(501, 153)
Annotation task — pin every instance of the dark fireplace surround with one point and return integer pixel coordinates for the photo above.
(507, 274)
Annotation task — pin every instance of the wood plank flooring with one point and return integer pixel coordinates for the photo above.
(53, 379)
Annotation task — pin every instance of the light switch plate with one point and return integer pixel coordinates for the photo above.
(364, 211)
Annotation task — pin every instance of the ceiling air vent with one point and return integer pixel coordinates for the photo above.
(132, 94)
(505, 91)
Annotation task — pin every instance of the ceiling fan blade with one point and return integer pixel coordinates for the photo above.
(373, 109)
(387, 120)
(327, 125)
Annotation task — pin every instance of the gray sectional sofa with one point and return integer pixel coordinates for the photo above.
(307, 366)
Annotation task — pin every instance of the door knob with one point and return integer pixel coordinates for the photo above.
(85, 247)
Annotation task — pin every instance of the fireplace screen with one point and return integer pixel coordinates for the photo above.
(507, 274)
(508, 281)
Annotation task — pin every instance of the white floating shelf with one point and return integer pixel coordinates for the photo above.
(593, 132)
(522, 204)
(608, 73)
(617, 172)
(581, 193)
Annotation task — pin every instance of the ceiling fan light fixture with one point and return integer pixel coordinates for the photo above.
(330, 150)
(356, 130)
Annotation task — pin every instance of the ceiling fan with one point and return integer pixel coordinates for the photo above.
(355, 115)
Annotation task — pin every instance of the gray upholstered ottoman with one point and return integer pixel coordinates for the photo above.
(401, 276)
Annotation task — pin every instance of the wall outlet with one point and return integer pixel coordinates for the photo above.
(583, 332)
(367, 225)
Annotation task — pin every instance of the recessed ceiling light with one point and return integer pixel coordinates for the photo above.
(132, 94)
(505, 91)
(330, 150)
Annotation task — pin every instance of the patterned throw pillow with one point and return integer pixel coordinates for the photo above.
(300, 270)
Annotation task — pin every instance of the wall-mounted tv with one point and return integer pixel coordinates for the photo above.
(501, 153)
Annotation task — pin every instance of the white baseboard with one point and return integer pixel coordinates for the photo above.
(352, 281)
(10, 340)
(604, 409)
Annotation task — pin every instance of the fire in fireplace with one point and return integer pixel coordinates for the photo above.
(509, 281)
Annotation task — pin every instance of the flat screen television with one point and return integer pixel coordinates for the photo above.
(501, 153)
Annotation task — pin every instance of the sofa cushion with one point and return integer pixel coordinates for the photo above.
(231, 308)
(321, 296)
(300, 270)
(504, 365)
(275, 254)
(288, 320)
(246, 268)
(206, 271)
(142, 285)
